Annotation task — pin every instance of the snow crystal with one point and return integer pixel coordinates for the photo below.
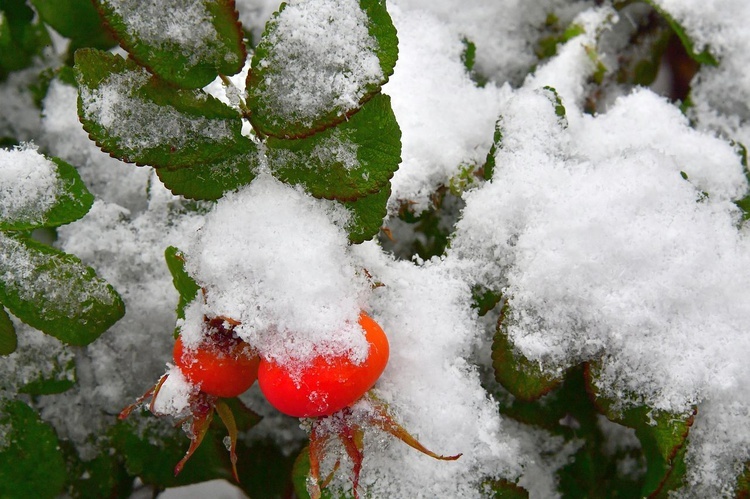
(179, 26)
(138, 124)
(321, 57)
(29, 185)
(292, 283)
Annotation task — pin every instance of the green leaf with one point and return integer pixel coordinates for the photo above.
(347, 162)
(183, 283)
(317, 63)
(367, 215)
(56, 378)
(22, 37)
(8, 339)
(187, 43)
(141, 119)
(102, 476)
(743, 483)
(524, 379)
(662, 435)
(151, 449)
(265, 472)
(55, 292)
(31, 464)
(503, 489)
(554, 97)
(704, 57)
(497, 141)
(301, 470)
(72, 200)
(210, 180)
(484, 300)
(77, 20)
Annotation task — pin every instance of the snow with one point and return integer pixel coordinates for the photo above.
(29, 185)
(430, 92)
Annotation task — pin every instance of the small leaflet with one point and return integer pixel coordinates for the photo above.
(186, 42)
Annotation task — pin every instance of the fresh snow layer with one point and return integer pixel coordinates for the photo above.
(293, 286)
(614, 237)
(430, 93)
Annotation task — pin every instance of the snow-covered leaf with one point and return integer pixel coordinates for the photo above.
(55, 292)
(58, 377)
(317, 63)
(186, 42)
(8, 339)
(140, 118)
(346, 162)
(704, 57)
(503, 489)
(662, 435)
(39, 192)
(524, 379)
(31, 463)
